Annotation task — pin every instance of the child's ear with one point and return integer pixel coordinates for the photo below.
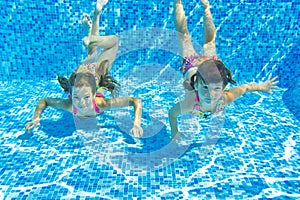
(196, 86)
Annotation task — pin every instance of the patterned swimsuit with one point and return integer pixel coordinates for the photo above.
(192, 61)
(197, 109)
(91, 68)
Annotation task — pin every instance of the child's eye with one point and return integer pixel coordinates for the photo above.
(205, 87)
(87, 97)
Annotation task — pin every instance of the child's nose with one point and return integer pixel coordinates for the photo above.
(214, 93)
(83, 101)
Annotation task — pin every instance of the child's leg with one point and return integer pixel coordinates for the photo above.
(94, 31)
(109, 44)
(209, 31)
(92, 26)
(93, 40)
(87, 26)
(186, 47)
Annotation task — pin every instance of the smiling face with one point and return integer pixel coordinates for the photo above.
(82, 98)
(209, 82)
(83, 93)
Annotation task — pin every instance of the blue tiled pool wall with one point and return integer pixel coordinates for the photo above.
(42, 39)
(254, 159)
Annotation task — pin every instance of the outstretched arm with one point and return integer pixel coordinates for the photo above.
(65, 104)
(137, 131)
(234, 93)
(173, 114)
(179, 108)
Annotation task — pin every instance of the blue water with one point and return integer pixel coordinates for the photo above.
(253, 155)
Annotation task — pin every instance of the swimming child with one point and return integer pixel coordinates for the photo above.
(205, 76)
(87, 83)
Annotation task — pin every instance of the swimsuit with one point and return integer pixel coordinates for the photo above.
(197, 110)
(191, 63)
(194, 61)
(91, 68)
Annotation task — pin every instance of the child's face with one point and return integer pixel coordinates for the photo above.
(82, 98)
(209, 92)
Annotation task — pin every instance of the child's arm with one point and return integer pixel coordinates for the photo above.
(65, 104)
(179, 108)
(173, 114)
(137, 131)
(234, 93)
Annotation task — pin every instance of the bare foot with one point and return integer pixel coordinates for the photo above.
(100, 4)
(87, 26)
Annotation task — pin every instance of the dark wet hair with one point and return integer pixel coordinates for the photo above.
(83, 79)
(88, 79)
(212, 71)
(107, 81)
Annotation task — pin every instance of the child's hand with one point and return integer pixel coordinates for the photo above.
(33, 124)
(269, 84)
(136, 131)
